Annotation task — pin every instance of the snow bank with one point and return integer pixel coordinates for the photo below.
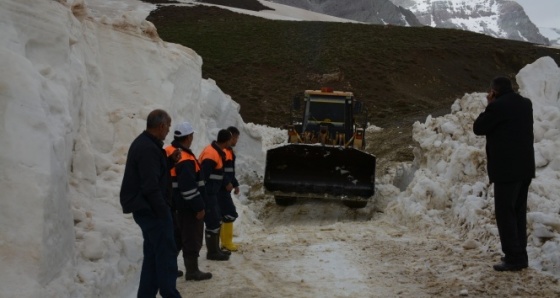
(75, 91)
(449, 186)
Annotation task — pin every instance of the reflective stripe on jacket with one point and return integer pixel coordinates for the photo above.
(186, 180)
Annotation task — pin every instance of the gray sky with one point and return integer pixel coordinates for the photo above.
(544, 13)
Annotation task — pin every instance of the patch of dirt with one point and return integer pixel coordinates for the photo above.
(394, 143)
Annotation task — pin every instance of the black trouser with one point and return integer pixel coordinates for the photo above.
(159, 266)
(212, 217)
(176, 231)
(511, 217)
(192, 233)
(227, 208)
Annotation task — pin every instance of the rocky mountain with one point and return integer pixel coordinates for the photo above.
(367, 11)
(498, 18)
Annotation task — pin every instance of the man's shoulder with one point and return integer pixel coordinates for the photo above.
(515, 95)
(526, 100)
(519, 100)
(506, 100)
(206, 152)
(141, 140)
(144, 143)
(205, 149)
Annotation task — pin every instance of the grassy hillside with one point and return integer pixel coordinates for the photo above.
(398, 72)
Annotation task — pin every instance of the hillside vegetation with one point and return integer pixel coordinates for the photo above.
(399, 73)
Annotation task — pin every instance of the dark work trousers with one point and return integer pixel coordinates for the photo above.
(159, 268)
(227, 208)
(176, 231)
(511, 217)
(192, 233)
(212, 217)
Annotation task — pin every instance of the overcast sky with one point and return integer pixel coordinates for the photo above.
(544, 13)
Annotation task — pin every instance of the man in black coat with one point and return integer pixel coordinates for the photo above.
(146, 192)
(507, 123)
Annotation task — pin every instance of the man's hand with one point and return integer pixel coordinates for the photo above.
(176, 155)
(200, 214)
(491, 96)
(236, 190)
(229, 187)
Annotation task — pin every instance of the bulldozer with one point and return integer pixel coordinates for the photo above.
(324, 154)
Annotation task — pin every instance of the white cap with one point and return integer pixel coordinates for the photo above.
(183, 129)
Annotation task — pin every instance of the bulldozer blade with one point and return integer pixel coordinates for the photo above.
(320, 171)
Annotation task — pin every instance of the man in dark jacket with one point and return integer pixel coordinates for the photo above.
(507, 123)
(145, 192)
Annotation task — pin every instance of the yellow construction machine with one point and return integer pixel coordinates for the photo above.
(324, 155)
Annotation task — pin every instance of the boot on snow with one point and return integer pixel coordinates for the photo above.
(226, 235)
(193, 273)
(214, 252)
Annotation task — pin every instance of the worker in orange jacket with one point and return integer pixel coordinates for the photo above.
(212, 160)
(188, 201)
(227, 207)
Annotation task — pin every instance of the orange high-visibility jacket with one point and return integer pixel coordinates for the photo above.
(212, 160)
(229, 168)
(186, 180)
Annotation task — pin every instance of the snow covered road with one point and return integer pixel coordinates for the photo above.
(324, 249)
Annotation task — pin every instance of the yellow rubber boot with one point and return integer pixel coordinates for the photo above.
(226, 235)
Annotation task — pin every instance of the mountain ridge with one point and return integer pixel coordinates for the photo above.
(497, 18)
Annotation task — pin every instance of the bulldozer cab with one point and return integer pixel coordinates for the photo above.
(328, 117)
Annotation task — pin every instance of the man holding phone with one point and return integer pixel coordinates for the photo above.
(507, 123)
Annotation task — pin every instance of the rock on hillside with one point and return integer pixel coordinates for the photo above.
(498, 18)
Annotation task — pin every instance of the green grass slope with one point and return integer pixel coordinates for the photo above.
(398, 72)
